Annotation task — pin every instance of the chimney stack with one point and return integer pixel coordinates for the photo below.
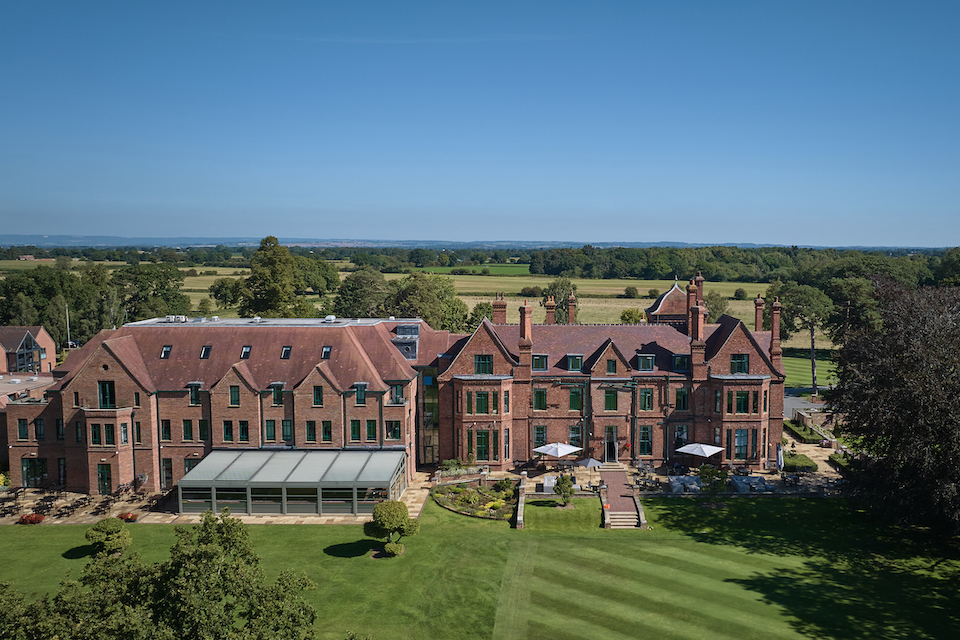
(776, 353)
(691, 303)
(696, 331)
(699, 282)
(526, 325)
(571, 309)
(499, 310)
(758, 314)
(551, 311)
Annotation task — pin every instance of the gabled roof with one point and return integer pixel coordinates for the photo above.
(359, 352)
(594, 358)
(673, 302)
(11, 338)
(727, 326)
(558, 340)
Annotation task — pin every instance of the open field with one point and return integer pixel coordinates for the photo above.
(505, 269)
(764, 569)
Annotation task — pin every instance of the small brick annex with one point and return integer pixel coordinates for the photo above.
(624, 393)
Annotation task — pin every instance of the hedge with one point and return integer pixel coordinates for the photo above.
(801, 433)
(797, 462)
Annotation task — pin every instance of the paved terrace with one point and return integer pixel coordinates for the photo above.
(78, 508)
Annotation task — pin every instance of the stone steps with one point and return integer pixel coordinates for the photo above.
(622, 520)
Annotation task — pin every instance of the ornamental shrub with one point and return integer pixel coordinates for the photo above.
(109, 537)
(393, 549)
(797, 462)
(503, 484)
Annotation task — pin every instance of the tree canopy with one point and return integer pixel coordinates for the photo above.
(899, 398)
(560, 289)
(275, 277)
(211, 588)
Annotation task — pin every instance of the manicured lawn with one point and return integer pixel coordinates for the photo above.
(796, 364)
(784, 568)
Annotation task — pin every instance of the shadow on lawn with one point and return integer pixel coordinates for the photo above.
(860, 579)
(83, 551)
(352, 549)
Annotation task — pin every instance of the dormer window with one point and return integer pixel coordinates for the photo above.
(540, 362)
(574, 362)
(245, 352)
(194, 388)
(285, 352)
(325, 352)
(681, 363)
(165, 351)
(361, 388)
(277, 388)
(205, 351)
(611, 366)
(645, 362)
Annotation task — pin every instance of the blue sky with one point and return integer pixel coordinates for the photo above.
(816, 122)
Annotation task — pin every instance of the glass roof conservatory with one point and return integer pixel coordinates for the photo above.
(293, 482)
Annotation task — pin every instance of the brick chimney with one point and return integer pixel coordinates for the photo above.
(698, 363)
(571, 309)
(551, 311)
(525, 346)
(776, 353)
(697, 316)
(691, 303)
(699, 282)
(499, 310)
(758, 314)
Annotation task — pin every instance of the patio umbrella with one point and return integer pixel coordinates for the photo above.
(557, 449)
(589, 463)
(780, 457)
(701, 450)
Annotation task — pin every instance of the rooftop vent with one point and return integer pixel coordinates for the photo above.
(171, 318)
(33, 378)
(330, 318)
(214, 318)
(181, 318)
(14, 380)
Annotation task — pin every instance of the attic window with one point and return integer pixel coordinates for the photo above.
(285, 352)
(645, 362)
(574, 362)
(165, 352)
(681, 363)
(205, 351)
(325, 353)
(245, 352)
(540, 362)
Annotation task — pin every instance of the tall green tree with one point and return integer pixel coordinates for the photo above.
(560, 289)
(362, 294)
(716, 303)
(899, 395)
(271, 289)
(211, 587)
(430, 296)
(151, 290)
(806, 308)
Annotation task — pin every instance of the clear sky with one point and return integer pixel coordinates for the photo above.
(786, 122)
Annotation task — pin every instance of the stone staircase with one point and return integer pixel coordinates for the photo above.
(612, 466)
(623, 520)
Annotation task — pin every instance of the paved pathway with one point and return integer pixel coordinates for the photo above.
(619, 493)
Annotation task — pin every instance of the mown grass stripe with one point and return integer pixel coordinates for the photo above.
(744, 615)
(513, 603)
(684, 608)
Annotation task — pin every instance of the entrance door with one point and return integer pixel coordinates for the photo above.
(34, 472)
(610, 445)
(104, 479)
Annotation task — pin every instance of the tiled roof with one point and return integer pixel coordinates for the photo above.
(12, 337)
(358, 353)
(558, 340)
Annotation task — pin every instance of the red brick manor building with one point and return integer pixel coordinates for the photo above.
(331, 415)
(622, 392)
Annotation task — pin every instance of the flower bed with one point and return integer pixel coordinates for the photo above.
(31, 518)
(128, 517)
(481, 502)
